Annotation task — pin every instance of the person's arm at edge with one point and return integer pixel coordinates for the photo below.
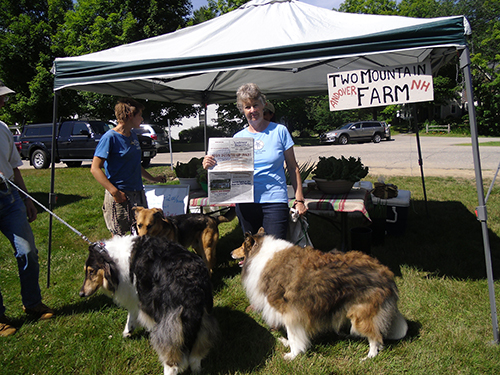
(98, 173)
(294, 172)
(149, 177)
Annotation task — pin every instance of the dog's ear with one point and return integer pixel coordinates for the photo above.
(111, 275)
(248, 244)
(158, 211)
(261, 231)
(95, 249)
(158, 214)
(137, 210)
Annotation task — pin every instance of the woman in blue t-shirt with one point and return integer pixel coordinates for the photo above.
(273, 146)
(119, 153)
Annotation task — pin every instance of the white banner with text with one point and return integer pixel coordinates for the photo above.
(380, 87)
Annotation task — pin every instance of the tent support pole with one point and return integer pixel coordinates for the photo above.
(481, 209)
(420, 160)
(52, 178)
(205, 140)
(170, 145)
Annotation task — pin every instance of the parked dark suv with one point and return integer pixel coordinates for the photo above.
(76, 141)
(360, 131)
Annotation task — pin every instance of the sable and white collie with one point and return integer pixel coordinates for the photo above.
(165, 288)
(309, 292)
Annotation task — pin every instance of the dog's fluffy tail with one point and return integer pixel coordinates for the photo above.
(228, 216)
(167, 338)
(170, 341)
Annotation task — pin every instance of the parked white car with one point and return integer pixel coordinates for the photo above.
(156, 133)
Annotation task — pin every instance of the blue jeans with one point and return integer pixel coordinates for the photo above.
(273, 217)
(14, 225)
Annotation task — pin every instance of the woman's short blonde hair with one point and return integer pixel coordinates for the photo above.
(127, 107)
(248, 92)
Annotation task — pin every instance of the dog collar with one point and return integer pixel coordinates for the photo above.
(100, 246)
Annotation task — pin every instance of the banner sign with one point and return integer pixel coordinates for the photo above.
(379, 87)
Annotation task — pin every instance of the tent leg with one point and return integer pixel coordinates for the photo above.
(420, 160)
(170, 146)
(205, 140)
(52, 178)
(481, 209)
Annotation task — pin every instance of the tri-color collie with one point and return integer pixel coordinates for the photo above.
(309, 292)
(200, 231)
(165, 288)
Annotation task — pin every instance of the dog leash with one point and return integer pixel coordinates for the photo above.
(294, 216)
(46, 209)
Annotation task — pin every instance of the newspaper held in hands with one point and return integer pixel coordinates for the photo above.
(231, 179)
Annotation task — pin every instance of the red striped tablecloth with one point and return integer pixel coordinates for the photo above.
(357, 200)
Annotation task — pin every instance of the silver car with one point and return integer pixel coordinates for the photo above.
(156, 133)
(360, 131)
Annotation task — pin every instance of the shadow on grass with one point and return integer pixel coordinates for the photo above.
(448, 242)
(93, 303)
(98, 302)
(61, 199)
(227, 267)
(243, 344)
(331, 338)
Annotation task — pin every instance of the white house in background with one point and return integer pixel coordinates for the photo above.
(192, 122)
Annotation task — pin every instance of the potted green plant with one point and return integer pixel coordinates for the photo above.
(202, 178)
(305, 170)
(337, 176)
(187, 172)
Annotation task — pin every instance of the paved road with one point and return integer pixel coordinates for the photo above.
(442, 156)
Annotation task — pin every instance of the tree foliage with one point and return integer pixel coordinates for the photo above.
(35, 32)
(215, 8)
(26, 30)
(369, 6)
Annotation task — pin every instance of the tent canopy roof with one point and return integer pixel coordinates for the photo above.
(286, 47)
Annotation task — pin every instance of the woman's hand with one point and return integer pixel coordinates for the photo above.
(161, 179)
(208, 162)
(119, 196)
(300, 207)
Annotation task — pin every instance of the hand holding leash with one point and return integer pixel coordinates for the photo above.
(119, 196)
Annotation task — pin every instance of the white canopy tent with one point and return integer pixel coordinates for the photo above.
(284, 46)
(287, 48)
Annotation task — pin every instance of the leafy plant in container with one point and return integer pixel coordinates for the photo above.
(337, 176)
(305, 170)
(202, 178)
(187, 172)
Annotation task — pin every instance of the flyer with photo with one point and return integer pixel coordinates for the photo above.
(231, 179)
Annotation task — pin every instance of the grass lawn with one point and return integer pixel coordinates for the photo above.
(438, 262)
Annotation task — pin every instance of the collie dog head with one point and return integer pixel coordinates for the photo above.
(250, 245)
(100, 272)
(152, 222)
